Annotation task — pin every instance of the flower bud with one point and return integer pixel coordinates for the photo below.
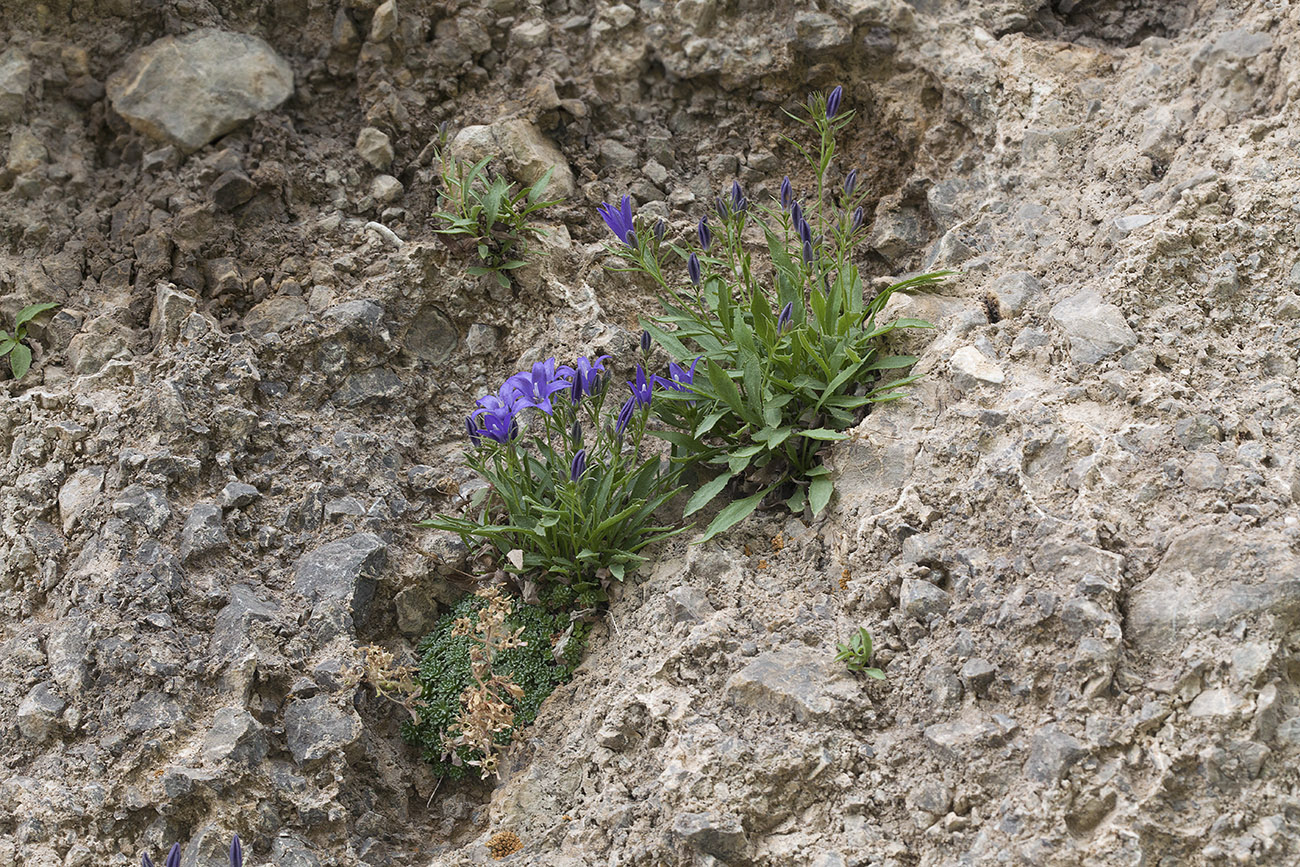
(236, 852)
(850, 183)
(807, 252)
(645, 342)
(787, 193)
(693, 268)
(859, 217)
(578, 466)
(787, 313)
(706, 236)
(796, 213)
(833, 102)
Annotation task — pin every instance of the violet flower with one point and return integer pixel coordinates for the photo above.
(859, 217)
(787, 193)
(693, 268)
(236, 852)
(578, 466)
(625, 416)
(805, 232)
(537, 385)
(787, 314)
(645, 342)
(796, 213)
(642, 389)
(145, 860)
(620, 220)
(738, 202)
(807, 252)
(588, 373)
(472, 429)
(706, 237)
(833, 102)
(851, 183)
(679, 379)
(173, 856)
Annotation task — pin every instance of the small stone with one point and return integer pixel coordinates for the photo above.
(276, 314)
(377, 385)
(15, 78)
(375, 147)
(194, 88)
(789, 680)
(237, 495)
(718, 834)
(687, 604)
(1051, 753)
(316, 728)
(231, 190)
(236, 736)
(1095, 329)
(203, 532)
(1134, 222)
(1217, 702)
(616, 155)
(171, 309)
(481, 339)
(1204, 472)
(530, 34)
(147, 506)
(817, 31)
(1014, 291)
(342, 572)
(971, 368)
(78, 496)
(978, 674)
(386, 189)
(432, 336)
(920, 599)
(384, 22)
(151, 711)
(235, 622)
(68, 649)
(38, 713)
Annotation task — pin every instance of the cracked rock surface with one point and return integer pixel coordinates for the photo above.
(1075, 542)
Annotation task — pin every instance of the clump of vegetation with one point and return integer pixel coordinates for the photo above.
(857, 654)
(572, 495)
(20, 355)
(793, 354)
(485, 669)
(489, 212)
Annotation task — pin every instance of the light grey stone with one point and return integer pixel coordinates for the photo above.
(1211, 578)
(68, 648)
(194, 88)
(151, 711)
(1204, 472)
(1095, 329)
(204, 531)
(342, 572)
(1134, 222)
(386, 189)
(238, 495)
(1014, 291)
(146, 506)
(790, 680)
(276, 314)
(39, 712)
(235, 621)
(78, 496)
(375, 147)
(817, 31)
(920, 599)
(15, 78)
(317, 727)
(972, 368)
(718, 834)
(1051, 753)
(171, 308)
(236, 736)
(383, 23)
(978, 674)
(524, 147)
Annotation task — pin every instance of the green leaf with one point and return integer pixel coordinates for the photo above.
(892, 362)
(823, 434)
(874, 673)
(709, 421)
(733, 513)
(725, 388)
(796, 503)
(705, 493)
(6, 344)
(540, 186)
(31, 311)
(20, 360)
(819, 493)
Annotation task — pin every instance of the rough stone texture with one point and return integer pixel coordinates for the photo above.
(1112, 679)
(344, 571)
(194, 88)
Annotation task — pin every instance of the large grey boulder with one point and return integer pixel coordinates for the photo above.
(191, 89)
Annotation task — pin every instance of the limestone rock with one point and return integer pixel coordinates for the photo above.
(1213, 578)
(971, 368)
(38, 713)
(194, 88)
(342, 572)
(525, 148)
(316, 727)
(920, 599)
(235, 735)
(1095, 329)
(78, 496)
(375, 147)
(203, 531)
(790, 680)
(1051, 754)
(15, 78)
(716, 834)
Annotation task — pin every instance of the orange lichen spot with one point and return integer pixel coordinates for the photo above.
(844, 579)
(762, 564)
(778, 542)
(504, 843)
(747, 551)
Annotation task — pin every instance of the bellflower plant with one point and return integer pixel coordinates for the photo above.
(792, 352)
(568, 509)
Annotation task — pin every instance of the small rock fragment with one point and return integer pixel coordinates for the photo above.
(231, 190)
(920, 599)
(38, 713)
(203, 532)
(316, 727)
(375, 147)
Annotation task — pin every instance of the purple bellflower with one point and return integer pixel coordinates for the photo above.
(645, 342)
(236, 852)
(642, 389)
(805, 232)
(537, 385)
(660, 228)
(619, 220)
(578, 466)
(787, 314)
(738, 201)
(145, 860)
(706, 236)
(833, 102)
(625, 416)
(787, 193)
(575, 390)
(679, 379)
(472, 429)
(588, 374)
(693, 268)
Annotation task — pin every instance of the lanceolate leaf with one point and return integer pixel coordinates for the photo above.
(733, 513)
(705, 494)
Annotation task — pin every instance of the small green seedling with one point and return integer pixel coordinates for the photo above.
(20, 357)
(857, 654)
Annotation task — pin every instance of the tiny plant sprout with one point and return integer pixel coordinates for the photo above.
(856, 654)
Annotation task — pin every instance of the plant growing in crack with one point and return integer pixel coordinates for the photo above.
(793, 354)
(20, 355)
(856, 654)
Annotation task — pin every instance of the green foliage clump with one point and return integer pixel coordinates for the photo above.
(793, 351)
(445, 675)
(490, 212)
(20, 357)
(857, 654)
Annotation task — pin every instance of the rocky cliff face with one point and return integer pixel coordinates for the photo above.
(1075, 542)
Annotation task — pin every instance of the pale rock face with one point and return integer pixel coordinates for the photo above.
(194, 88)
